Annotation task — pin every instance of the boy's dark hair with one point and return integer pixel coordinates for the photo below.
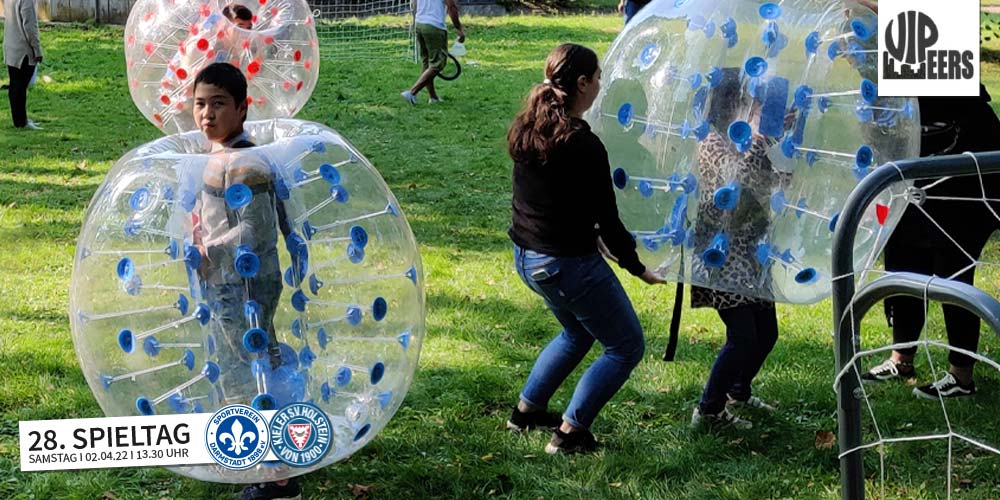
(226, 77)
(237, 11)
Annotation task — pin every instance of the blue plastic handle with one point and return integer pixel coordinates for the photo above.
(379, 308)
(329, 173)
(299, 301)
(255, 340)
(715, 255)
(727, 197)
(625, 114)
(246, 262)
(238, 196)
(376, 372)
(769, 11)
(619, 178)
(359, 236)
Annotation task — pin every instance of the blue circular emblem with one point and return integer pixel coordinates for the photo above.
(301, 434)
(236, 437)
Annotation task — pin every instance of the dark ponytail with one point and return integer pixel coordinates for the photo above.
(544, 123)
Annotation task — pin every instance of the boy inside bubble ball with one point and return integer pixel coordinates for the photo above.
(236, 222)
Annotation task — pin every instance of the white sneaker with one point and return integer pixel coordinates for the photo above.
(434, 101)
(719, 420)
(408, 97)
(33, 126)
(754, 402)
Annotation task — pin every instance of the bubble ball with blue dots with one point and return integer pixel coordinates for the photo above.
(309, 287)
(735, 132)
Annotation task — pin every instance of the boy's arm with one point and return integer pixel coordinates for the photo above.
(452, 7)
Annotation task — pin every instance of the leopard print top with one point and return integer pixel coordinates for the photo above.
(746, 225)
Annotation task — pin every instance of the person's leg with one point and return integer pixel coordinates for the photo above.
(568, 348)
(607, 314)
(906, 314)
(18, 92)
(961, 325)
(732, 359)
(631, 9)
(437, 50)
(766, 326)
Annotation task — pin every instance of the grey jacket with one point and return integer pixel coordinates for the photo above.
(20, 33)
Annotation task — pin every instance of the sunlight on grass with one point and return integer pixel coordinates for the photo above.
(448, 167)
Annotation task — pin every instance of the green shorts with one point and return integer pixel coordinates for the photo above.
(433, 44)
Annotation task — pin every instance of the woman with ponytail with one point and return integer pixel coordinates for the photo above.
(563, 203)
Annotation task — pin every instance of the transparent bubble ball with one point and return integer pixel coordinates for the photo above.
(273, 274)
(735, 132)
(167, 42)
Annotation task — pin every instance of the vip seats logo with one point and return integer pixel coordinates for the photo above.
(928, 48)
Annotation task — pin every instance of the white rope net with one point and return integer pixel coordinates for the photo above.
(932, 447)
(364, 29)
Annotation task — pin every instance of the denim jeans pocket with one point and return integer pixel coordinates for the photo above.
(539, 268)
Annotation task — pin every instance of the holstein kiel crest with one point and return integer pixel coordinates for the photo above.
(236, 437)
(300, 434)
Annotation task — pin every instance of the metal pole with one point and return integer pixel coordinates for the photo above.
(842, 290)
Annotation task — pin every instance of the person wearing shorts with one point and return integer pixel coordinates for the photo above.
(432, 42)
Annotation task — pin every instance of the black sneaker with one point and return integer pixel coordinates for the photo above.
(523, 421)
(947, 387)
(271, 491)
(889, 370)
(581, 441)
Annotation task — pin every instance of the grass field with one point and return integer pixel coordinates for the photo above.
(446, 164)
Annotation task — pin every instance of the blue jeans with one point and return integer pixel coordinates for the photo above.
(751, 332)
(588, 300)
(631, 9)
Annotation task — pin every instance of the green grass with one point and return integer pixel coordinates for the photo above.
(447, 166)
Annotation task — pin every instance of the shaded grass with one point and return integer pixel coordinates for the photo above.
(446, 165)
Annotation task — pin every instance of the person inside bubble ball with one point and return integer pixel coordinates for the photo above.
(751, 323)
(239, 15)
(561, 190)
(220, 108)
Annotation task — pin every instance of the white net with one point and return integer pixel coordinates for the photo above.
(924, 440)
(364, 29)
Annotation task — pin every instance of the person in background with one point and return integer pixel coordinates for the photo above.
(22, 53)
(432, 41)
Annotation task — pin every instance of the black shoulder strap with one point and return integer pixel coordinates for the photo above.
(675, 323)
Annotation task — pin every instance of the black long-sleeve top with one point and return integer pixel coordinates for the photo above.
(556, 203)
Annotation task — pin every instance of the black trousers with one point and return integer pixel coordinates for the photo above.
(917, 245)
(751, 332)
(18, 91)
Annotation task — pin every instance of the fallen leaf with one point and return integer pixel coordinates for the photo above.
(825, 440)
(108, 496)
(615, 485)
(361, 491)
(487, 457)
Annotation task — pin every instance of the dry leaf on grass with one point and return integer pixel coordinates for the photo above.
(825, 440)
(361, 491)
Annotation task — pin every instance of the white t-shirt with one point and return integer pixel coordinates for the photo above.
(431, 12)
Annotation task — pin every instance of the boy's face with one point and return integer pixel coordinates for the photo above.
(217, 114)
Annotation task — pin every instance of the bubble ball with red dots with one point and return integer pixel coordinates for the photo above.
(167, 42)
